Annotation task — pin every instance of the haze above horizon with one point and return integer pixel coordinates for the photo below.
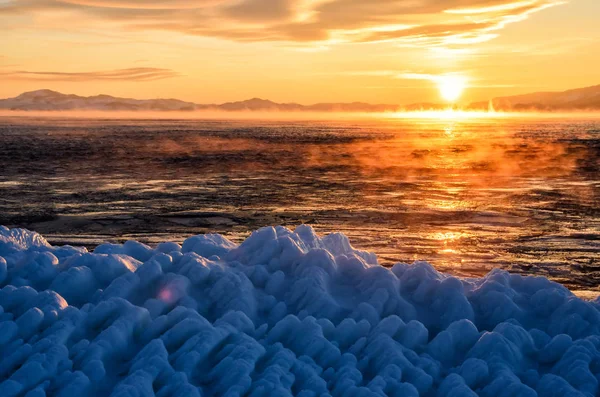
(309, 51)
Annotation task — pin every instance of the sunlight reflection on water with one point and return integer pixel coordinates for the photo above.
(464, 194)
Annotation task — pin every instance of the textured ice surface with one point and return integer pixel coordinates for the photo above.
(284, 313)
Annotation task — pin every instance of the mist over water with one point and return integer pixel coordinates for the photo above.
(465, 195)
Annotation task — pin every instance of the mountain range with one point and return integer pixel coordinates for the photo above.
(47, 100)
(587, 98)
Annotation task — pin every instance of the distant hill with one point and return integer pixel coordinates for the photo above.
(52, 100)
(47, 100)
(587, 98)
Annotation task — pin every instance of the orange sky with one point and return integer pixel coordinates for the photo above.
(306, 51)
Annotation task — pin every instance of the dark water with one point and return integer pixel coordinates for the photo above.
(466, 195)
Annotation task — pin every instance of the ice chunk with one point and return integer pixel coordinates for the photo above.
(284, 313)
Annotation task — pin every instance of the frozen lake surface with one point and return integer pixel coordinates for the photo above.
(518, 194)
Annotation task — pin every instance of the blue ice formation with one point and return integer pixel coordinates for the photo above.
(282, 314)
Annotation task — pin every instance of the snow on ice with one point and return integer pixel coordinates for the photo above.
(284, 313)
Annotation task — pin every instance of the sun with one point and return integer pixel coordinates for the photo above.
(451, 87)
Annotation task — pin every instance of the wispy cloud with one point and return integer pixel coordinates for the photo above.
(447, 78)
(418, 76)
(425, 22)
(130, 74)
(4, 66)
(459, 76)
(392, 75)
(371, 73)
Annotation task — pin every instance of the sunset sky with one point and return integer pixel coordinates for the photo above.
(306, 51)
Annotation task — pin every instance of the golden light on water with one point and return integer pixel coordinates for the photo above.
(449, 115)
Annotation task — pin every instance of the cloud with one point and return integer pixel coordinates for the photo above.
(457, 78)
(130, 74)
(418, 76)
(426, 22)
(370, 73)
(260, 10)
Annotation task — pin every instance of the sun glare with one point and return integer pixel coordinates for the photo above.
(451, 87)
